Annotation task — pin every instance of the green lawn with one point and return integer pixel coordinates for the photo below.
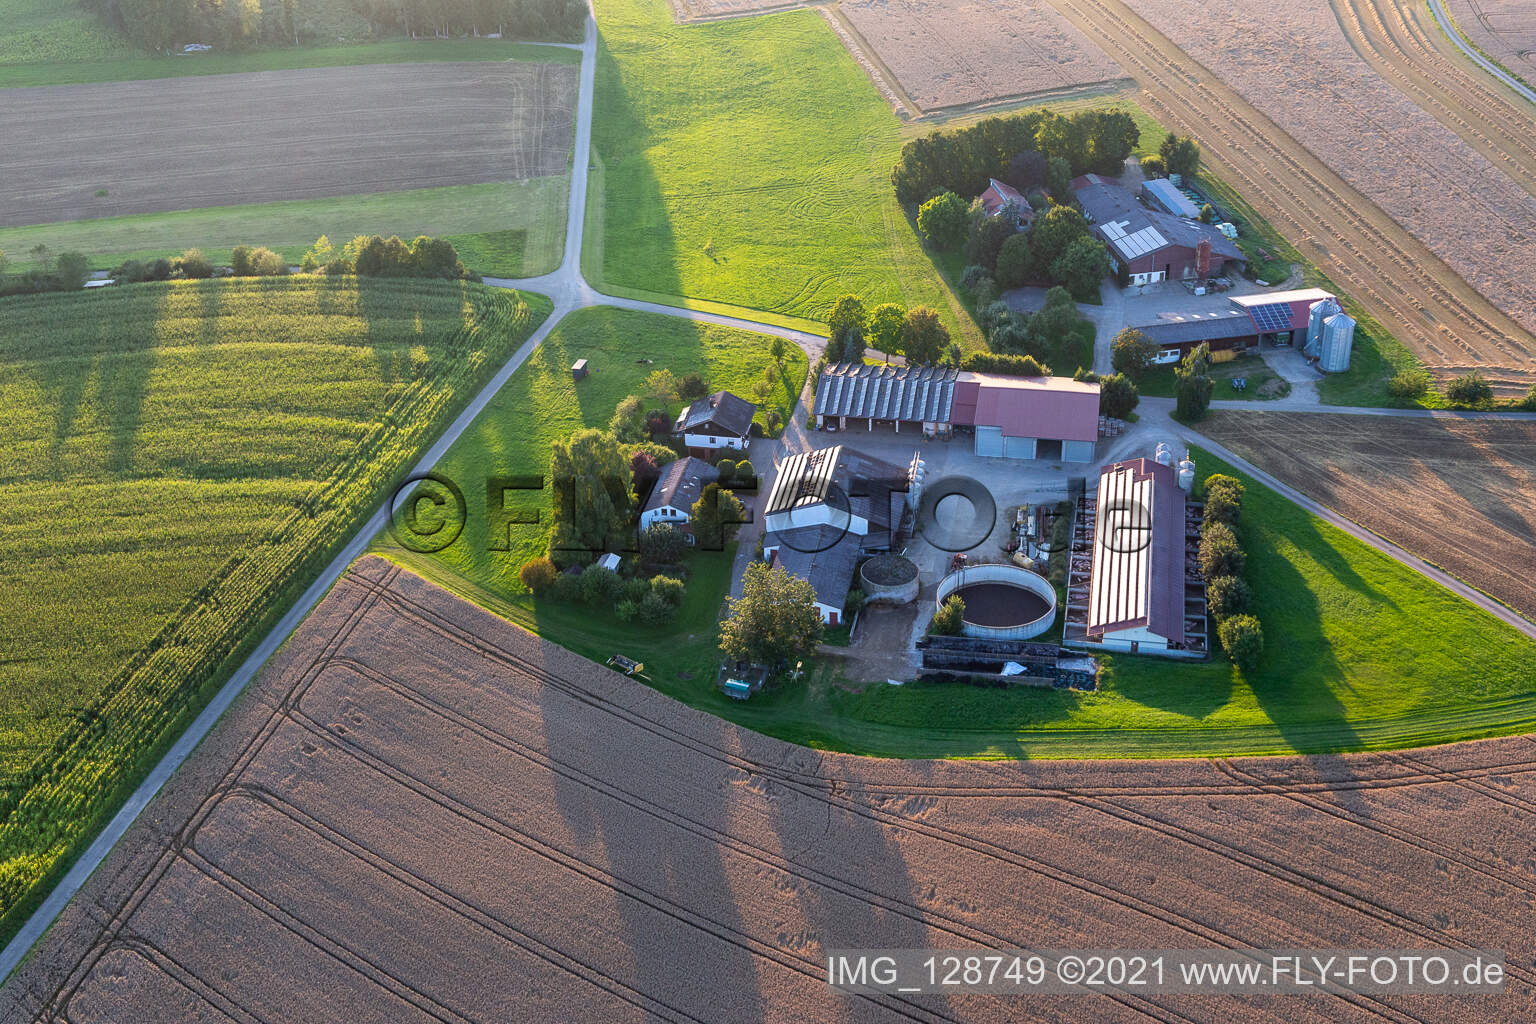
(505, 229)
(62, 44)
(181, 459)
(746, 162)
(1158, 380)
(541, 403)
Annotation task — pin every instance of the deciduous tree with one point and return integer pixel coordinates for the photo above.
(775, 619)
(885, 323)
(923, 337)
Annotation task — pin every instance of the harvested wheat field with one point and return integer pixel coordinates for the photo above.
(421, 813)
(948, 54)
(83, 151)
(1313, 198)
(1503, 29)
(1460, 493)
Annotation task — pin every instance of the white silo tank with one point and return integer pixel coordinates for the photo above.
(1164, 454)
(1187, 475)
(1338, 343)
(1317, 313)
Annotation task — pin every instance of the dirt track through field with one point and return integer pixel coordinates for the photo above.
(219, 140)
(1398, 39)
(1458, 493)
(422, 813)
(1398, 280)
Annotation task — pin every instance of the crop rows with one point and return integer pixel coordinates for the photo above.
(429, 344)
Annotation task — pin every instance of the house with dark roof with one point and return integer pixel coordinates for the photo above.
(1010, 417)
(1151, 244)
(1273, 317)
(681, 483)
(999, 195)
(718, 422)
(823, 556)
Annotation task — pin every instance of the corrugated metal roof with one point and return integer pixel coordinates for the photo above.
(1057, 408)
(1138, 552)
(909, 394)
(1167, 195)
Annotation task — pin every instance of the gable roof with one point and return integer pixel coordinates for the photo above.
(823, 556)
(1059, 408)
(828, 475)
(1000, 194)
(1213, 325)
(1167, 195)
(719, 413)
(1138, 551)
(1132, 230)
(680, 484)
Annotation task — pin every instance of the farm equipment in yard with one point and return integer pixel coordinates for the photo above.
(628, 666)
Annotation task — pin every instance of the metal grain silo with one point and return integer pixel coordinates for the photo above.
(1317, 313)
(1164, 453)
(1187, 475)
(1338, 342)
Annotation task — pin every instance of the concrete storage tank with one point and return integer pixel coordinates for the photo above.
(1338, 343)
(1187, 475)
(1317, 313)
(1002, 602)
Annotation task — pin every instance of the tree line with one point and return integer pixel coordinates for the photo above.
(1028, 150)
(162, 25)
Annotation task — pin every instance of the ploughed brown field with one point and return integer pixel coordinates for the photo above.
(953, 54)
(220, 140)
(421, 813)
(1503, 29)
(1459, 493)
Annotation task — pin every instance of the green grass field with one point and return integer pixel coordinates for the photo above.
(1158, 380)
(746, 162)
(181, 459)
(541, 403)
(505, 229)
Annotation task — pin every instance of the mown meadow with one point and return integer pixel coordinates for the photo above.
(182, 459)
(746, 162)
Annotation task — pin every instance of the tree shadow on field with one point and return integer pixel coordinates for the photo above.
(126, 359)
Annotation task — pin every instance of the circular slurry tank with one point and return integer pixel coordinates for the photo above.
(889, 577)
(1002, 602)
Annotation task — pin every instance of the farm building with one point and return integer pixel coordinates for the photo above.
(1010, 417)
(717, 422)
(1278, 318)
(1136, 596)
(1151, 244)
(826, 510)
(679, 486)
(998, 195)
(1165, 195)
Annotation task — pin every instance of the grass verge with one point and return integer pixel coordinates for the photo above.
(184, 459)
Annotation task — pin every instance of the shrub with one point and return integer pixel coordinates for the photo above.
(538, 574)
(240, 261)
(263, 262)
(950, 618)
(1222, 482)
(598, 585)
(1118, 397)
(634, 590)
(692, 386)
(626, 610)
(1469, 390)
(658, 423)
(656, 609)
(1227, 596)
(745, 471)
(193, 264)
(972, 276)
(1220, 554)
(669, 588)
(1243, 639)
(1528, 403)
(1221, 506)
(662, 544)
(854, 601)
(727, 470)
(1409, 384)
(1013, 262)
(566, 588)
(773, 420)
(993, 362)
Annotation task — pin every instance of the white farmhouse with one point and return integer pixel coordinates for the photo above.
(679, 486)
(720, 421)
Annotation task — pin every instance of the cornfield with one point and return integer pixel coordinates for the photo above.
(181, 460)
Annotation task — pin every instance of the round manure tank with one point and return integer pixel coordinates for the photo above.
(889, 577)
(1002, 602)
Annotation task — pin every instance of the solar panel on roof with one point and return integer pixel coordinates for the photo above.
(1275, 316)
